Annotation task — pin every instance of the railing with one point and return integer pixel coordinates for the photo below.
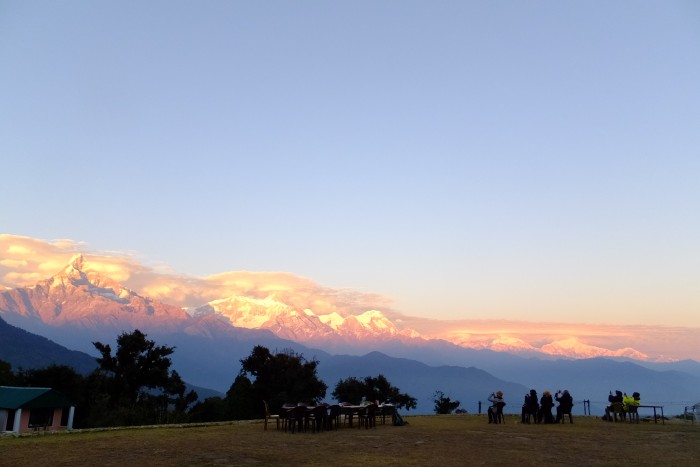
(692, 412)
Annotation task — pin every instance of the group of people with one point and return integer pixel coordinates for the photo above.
(628, 404)
(539, 410)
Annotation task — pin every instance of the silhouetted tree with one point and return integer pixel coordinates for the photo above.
(62, 378)
(212, 409)
(140, 386)
(7, 378)
(277, 378)
(372, 389)
(443, 404)
(242, 401)
(351, 390)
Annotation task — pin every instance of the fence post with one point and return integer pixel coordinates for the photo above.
(479, 407)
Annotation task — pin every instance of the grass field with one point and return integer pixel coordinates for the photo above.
(427, 440)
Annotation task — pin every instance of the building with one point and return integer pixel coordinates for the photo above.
(24, 410)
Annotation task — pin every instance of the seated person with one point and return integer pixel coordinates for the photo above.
(609, 411)
(566, 402)
(630, 405)
(632, 400)
(637, 398)
(496, 400)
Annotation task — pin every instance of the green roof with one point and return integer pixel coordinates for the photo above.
(31, 398)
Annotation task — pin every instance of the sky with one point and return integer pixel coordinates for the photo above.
(506, 160)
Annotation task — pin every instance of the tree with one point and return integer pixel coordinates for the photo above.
(63, 379)
(138, 381)
(277, 378)
(351, 390)
(7, 378)
(242, 401)
(372, 389)
(212, 409)
(443, 404)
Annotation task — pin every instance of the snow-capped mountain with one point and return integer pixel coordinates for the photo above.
(80, 297)
(574, 348)
(569, 347)
(80, 305)
(267, 313)
(301, 325)
(502, 343)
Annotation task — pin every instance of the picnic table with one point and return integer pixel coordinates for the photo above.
(383, 410)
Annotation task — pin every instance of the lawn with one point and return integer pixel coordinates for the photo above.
(427, 440)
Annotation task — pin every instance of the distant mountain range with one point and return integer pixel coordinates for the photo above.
(79, 296)
(23, 349)
(79, 305)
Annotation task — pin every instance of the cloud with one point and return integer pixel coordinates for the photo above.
(24, 261)
(18, 250)
(13, 263)
(298, 292)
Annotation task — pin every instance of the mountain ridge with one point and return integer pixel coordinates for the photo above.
(80, 295)
(78, 306)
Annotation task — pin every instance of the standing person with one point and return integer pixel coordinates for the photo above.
(566, 402)
(531, 407)
(496, 403)
(546, 404)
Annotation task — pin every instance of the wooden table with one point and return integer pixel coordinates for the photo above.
(351, 410)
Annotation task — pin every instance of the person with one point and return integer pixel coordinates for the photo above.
(637, 398)
(628, 401)
(566, 402)
(530, 407)
(630, 404)
(496, 401)
(546, 404)
(613, 399)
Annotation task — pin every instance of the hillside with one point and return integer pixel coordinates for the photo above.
(23, 349)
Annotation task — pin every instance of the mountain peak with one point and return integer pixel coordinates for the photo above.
(574, 348)
(81, 274)
(75, 267)
(77, 261)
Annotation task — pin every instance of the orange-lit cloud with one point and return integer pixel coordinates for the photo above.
(24, 261)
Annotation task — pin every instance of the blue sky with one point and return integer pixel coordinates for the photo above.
(523, 160)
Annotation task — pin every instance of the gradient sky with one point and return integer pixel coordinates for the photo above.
(526, 160)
